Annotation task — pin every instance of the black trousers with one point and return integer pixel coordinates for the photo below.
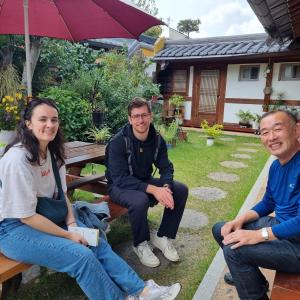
(138, 202)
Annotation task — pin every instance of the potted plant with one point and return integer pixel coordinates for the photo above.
(177, 101)
(170, 134)
(11, 102)
(256, 119)
(212, 131)
(99, 135)
(245, 117)
(10, 109)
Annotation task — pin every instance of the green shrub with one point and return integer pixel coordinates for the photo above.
(74, 112)
(212, 131)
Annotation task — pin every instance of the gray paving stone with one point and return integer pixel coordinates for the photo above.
(222, 176)
(227, 139)
(240, 155)
(233, 164)
(247, 150)
(185, 243)
(193, 219)
(252, 144)
(208, 193)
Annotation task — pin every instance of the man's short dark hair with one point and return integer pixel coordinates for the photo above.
(289, 114)
(137, 102)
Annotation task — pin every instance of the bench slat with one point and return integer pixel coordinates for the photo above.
(286, 287)
(10, 268)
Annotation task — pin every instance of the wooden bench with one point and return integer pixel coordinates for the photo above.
(286, 287)
(11, 271)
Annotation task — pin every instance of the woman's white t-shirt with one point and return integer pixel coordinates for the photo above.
(21, 183)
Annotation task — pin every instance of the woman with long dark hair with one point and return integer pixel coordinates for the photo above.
(33, 170)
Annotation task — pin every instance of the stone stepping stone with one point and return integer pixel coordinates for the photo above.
(247, 150)
(222, 176)
(252, 144)
(233, 164)
(240, 155)
(227, 139)
(193, 219)
(208, 193)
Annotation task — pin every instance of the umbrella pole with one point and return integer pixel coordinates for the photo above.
(27, 50)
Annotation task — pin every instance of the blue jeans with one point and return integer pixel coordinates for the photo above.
(100, 272)
(244, 262)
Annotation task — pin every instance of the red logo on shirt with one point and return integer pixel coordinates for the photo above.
(45, 173)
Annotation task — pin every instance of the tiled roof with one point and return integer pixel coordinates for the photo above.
(219, 47)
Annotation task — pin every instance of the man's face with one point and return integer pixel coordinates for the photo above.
(140, 119)
(280, 136)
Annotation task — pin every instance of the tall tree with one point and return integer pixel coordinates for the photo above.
(188, 25)
(150, 7)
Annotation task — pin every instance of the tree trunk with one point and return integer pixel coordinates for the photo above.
(35, 49)
(6, 56)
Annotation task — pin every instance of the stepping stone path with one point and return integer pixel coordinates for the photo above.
(208, 193)
(227, 139)
(252, 144)
(240, 155)
(193, 219)
(247, 150)
(222, 176)
(233, 164)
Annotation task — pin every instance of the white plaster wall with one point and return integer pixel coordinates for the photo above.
(244, 89)
(230, 110)
(150, 70)
(291, 89)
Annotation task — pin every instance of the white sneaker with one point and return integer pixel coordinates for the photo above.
(165, 245)
(157, 292)
(146, 256)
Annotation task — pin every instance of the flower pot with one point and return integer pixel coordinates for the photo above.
(7, 136)
(210, 141)
(245, 125)
(98, 118)
(182, 135)
(169, 146)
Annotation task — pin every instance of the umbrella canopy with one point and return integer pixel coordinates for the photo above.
(73, 20)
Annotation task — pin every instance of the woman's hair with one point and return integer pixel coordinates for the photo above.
(30, 142)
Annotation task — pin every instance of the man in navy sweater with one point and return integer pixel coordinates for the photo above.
(130, 156)
(255, 239)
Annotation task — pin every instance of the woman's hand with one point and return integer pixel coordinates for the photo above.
(77, 238)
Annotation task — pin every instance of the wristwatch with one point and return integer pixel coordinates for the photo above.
(265, 233)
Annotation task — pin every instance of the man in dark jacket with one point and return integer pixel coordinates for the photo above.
(130, 156)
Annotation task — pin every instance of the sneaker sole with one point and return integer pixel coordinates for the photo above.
(145, 263)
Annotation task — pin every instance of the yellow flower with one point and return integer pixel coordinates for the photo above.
(3, 100)
(18, 96)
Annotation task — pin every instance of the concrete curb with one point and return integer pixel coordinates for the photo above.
(215, 270)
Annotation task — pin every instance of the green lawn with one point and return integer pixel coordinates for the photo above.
(193, 161)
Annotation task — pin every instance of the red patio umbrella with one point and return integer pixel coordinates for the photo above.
(73, 20)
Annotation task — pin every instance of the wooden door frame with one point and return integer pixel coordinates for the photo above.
(196, 93)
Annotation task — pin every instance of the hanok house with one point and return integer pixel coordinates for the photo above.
(221, 75)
